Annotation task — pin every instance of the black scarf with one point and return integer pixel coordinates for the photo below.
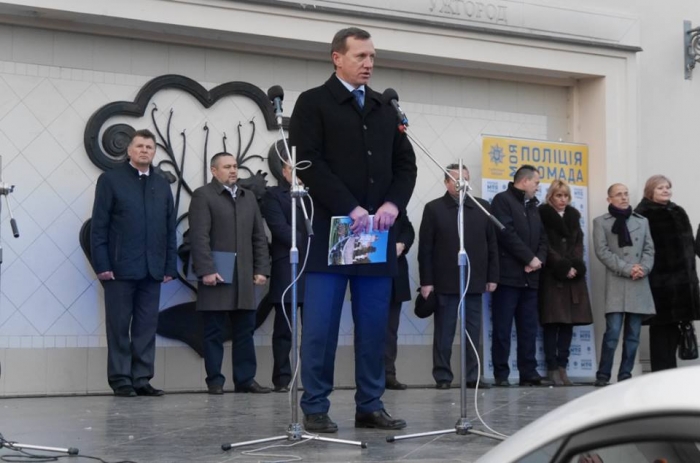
(620, 225)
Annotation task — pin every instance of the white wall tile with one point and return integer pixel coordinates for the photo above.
(73, 50)
(8, 98)
(68, 129)
(32, 45)
(8, 150)
(88, 308)
(64, 232)
(45, 154)
(19, 283)
(68, 180)
(43, 257)
(67, 325)
(111, 54)
(89, 101)
(45, 102)
(44, 205)
(82, 206)
(16, 326)
(42, 310)
(7, 309)
(70, 89)
(20, 126)
(67, 283)
(80, 261)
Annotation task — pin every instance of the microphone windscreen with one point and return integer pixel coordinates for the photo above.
(390, 94)
(275, 92)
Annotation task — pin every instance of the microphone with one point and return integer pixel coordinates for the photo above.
(391, 97)
(276, 95)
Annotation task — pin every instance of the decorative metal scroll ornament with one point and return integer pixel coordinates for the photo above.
(691, 43)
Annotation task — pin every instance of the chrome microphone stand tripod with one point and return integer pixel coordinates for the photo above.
(463, 426)
(295, 431)
(5, 190)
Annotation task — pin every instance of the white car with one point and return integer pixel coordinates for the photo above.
(654, 418)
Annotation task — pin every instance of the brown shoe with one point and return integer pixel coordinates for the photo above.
(564, 377)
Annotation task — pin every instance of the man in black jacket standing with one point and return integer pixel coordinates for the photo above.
(437, 259)
(523, 250)
(361, 165)
(133, 251)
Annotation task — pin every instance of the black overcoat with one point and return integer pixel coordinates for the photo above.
(523, 238)
(358, 158)
(674, 278)
(218, 223)
(563, 300)
(438, 244)
(277, 212)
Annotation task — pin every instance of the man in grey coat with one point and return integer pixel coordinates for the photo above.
(622, 242)
(224, 217)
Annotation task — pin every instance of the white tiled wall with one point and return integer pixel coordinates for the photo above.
(52, 82)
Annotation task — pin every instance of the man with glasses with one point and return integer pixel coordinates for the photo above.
(622, 242)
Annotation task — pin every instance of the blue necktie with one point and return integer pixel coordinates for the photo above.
(359, 95)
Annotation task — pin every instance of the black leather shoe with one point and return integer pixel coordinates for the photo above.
(393, 383)
(482, 385)
(443, 385)
(281, 389)
(215, 389)
(319, 423)
(379, 419)
(600, 382)
(536, 381)
(149, 391)
(501, 383)
(254, 388)
(125, 391)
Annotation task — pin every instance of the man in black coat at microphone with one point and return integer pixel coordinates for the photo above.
(361, 165)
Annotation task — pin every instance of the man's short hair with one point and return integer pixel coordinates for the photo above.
(217, 156)
(453, 166)
(143, 133)
(526, 171)
(339, 43)
(611, 187)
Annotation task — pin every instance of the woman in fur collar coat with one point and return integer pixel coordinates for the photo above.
(674, 280)
(563, 294)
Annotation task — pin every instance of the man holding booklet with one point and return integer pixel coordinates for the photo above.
(229, 255)
(361, 166)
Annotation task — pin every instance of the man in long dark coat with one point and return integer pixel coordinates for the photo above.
(361, 165)
(438, 246)
(224, 217)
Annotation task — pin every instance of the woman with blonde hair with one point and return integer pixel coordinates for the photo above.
(674, 280)
(563, 294)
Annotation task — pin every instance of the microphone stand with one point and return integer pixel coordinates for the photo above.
(463, 426)
(295, 431)
(5, 190)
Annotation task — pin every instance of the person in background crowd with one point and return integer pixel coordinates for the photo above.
(400, 292)
(674, 281)
(133, 251)
(277, 212)
(226, 218)
(523, 251)
(438, 246)
(563, 293)
(623, 243)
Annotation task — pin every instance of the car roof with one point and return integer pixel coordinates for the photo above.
(666, 392)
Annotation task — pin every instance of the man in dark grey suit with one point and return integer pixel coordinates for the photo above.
(439, 272)
(224, 217)
(133, 251)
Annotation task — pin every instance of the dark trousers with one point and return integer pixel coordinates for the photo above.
(281, 346)
(510, 303)
(663, 346)
(242, 348)
(392, 337)
(323, 303)
(557, 343)
(131, 320)
(445, 324)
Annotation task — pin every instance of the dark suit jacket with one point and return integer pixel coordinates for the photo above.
(133, 225)
(439, 243)
(401, 290)
(277, 212)
(218, 223)
(523, 238)
(358, 158)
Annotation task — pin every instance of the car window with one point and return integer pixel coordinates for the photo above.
(642, 452)
(543, 454)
